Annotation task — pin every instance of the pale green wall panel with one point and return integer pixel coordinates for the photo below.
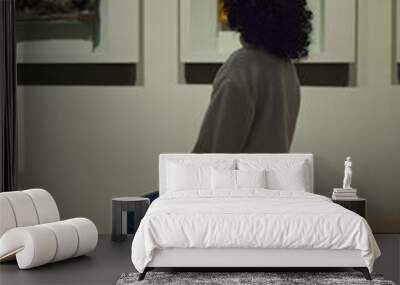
(89, 144)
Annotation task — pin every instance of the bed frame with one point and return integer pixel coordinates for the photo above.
(242, 259)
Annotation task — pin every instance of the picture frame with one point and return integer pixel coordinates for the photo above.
(112, 47)
(337, 39)
(398, 30)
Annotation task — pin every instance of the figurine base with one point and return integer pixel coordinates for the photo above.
(344, 194)
(344, 190)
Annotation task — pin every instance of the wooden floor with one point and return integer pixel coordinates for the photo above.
(110, 260)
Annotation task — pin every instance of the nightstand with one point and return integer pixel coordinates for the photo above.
(127, 212)
(358, 206)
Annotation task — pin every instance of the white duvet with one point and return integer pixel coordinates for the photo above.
(250, 218)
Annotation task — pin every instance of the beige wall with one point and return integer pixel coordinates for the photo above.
(89, 144)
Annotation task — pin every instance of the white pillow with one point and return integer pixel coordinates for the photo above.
(281, 174)
(251, 178)
(237, 179)
(223, 179)
(188, 175)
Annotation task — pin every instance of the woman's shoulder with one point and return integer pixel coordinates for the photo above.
(242, 57)
(238, 62)
(256, 59)
(248, 62)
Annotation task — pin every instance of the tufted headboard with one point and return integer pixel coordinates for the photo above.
(165, 158)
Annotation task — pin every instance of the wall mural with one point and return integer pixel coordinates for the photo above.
(61, 19)
(46, 10)
(222, 17)
(77, 31)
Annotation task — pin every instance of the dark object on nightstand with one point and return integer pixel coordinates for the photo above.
(127, 212)
(358, 206)
(152, 196)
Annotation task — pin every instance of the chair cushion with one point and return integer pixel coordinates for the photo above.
(26, 208)
(87, 233)
(46, 207)
(40, 244)
(32, 246)
(23, 208)
(7, 220)
(67, 240)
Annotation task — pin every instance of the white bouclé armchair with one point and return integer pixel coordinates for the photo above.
(31, 230)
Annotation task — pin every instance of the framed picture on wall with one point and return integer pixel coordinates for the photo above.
(77, 31)
(398, 30)
(206, 37)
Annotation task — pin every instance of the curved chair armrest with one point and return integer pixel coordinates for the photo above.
(41, 244)
(32, 246)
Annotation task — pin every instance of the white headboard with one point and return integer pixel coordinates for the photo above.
(218, 156)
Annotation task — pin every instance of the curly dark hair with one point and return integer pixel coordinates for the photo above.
(282, 27)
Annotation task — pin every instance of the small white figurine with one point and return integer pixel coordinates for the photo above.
(348, 172)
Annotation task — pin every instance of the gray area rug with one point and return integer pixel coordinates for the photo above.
(229, 278)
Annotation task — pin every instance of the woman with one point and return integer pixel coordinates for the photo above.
(256, 93)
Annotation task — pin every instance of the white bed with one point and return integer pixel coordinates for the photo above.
(249, 227)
